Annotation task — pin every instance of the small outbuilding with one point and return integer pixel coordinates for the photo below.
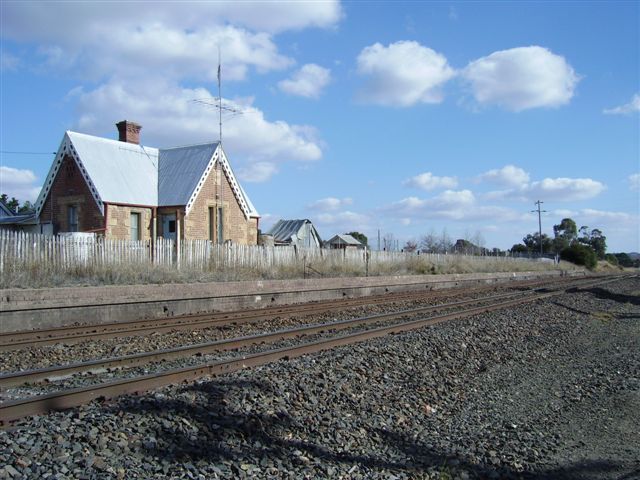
(18, 222)
(301, 233)
(343, 242)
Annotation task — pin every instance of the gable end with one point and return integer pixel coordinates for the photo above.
(66, 149)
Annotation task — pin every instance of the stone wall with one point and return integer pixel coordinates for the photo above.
(70, 189)
(236, 226)
(119, 222)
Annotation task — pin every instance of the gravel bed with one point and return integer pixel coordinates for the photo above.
(88, 378)
(543, 390)
(62, 354)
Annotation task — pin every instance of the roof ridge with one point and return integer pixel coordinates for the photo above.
(190, 145)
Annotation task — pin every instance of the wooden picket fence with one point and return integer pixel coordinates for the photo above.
(21, 251)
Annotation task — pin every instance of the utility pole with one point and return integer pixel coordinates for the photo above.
(539, 203)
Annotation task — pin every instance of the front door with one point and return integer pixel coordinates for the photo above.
(169, 226)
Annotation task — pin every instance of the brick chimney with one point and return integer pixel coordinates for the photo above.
(129, 132)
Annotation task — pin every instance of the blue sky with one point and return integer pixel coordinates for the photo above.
(403, 117)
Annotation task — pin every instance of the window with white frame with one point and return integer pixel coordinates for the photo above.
(135, 226)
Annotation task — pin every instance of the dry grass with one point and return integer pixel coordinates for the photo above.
(38, 275)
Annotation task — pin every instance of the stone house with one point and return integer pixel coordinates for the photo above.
(124, 190)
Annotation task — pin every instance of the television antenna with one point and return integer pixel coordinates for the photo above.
(217, 102)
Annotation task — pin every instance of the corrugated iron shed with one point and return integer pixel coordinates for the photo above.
(296, 232)
(344, 239)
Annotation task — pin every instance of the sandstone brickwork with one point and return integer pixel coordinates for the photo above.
(70, 189)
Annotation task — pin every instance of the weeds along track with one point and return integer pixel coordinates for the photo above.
(136, 373)
(80, 333)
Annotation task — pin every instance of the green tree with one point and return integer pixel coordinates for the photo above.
(361, 237)
(565, 234)
(27, 207)
(519, 248)
(580, 255)
(612, 259)
(12, 204)
(598, 242)
(532, 242)
(626, 261)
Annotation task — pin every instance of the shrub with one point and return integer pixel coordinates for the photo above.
(580, 255)
(612, 259)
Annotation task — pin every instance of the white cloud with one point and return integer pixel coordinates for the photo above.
(592, 215)
(257, 172)
(169, 117)
(550, 189)
(428, 181)
(452, 205)
(564, 213)
(449, 204)
(330, 204)
(8, 61)
(340, 222)
(565, 189)
(308, 82)
(19, 183)
(509, 176)
(170, 40)
(634, 181)
(403, 74)
(521, 78)
(45, 21)
(627, 108)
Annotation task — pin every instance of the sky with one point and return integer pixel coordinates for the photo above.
(406, 118)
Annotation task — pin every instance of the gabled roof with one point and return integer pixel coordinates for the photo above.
(180, 170)
(284, 230)
(19, 219)
(120, 172)
(344, 239)
(5, 211)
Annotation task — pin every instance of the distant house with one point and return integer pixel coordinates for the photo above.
(125, 190)
(17, 222)
(343, 242)
(301, 233)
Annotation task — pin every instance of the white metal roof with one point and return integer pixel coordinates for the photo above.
(122, 172)
(344, 239)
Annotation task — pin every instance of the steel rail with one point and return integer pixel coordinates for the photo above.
(75, 334)
(14, 410)
(133, 360)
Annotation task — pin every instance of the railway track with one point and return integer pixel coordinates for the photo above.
(13, 410)
(79, 333)
(57, 372)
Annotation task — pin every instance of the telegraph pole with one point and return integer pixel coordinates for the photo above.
(539, 203)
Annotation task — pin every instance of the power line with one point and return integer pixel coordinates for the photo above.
(28, 153)
(538, 203)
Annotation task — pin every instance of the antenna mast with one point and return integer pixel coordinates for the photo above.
(219, 97)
